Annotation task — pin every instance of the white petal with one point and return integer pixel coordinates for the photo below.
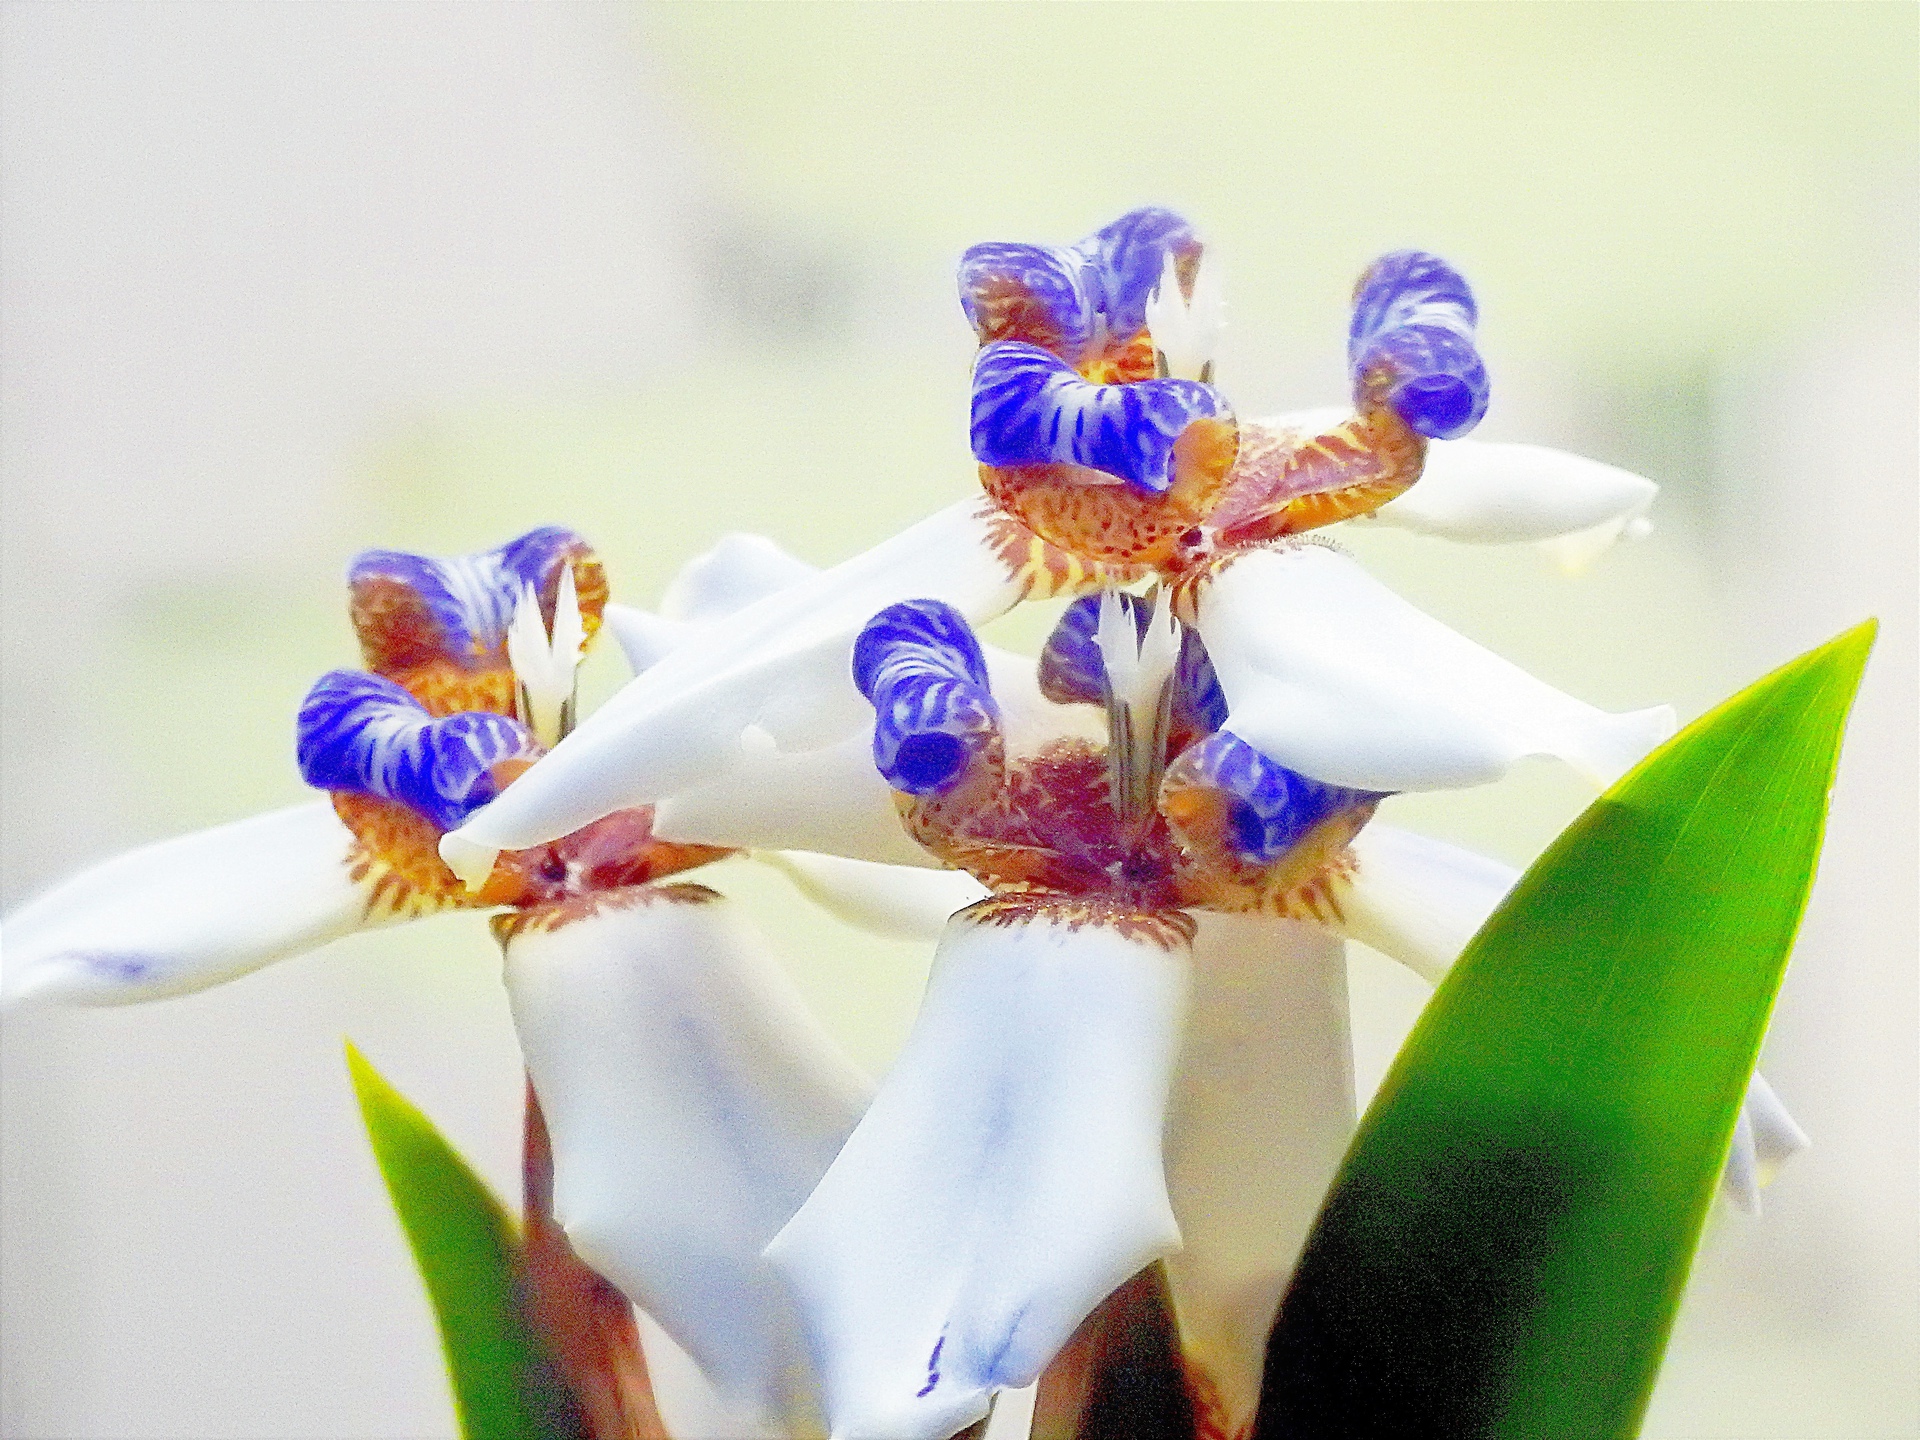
(737, 571)
(1262, 1111)
(1007, 1177)
(693, 1103)
(1331, 673)
(1575, 553)
(645, 638)
(1488, 493)
(184, 914)
(1764, 1139)
(830, 800)
(1417, 900)
(889, 900)
(782, 663)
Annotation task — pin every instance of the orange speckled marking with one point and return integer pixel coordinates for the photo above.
(1093, 516)
(1169, 930)
(1044, 571)
(396, 854)
(1121, 362)
(1210, 1418)
(1284, 483)
(555, 915)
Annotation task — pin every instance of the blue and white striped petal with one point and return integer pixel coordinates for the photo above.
(1032, 408)
(920, 666)
(412, 609)
(361, 733)
(1008, 1174)
(1268, 808)
(1411, 344)
(1073, 299)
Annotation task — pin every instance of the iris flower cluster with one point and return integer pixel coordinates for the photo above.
(1140, 853)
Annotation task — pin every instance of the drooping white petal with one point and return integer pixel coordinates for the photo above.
(1262, 1111)
(1331, 673)
(184, 914)
(781, 663)
(1417, 900)
(1006, 1178)
(1488, 493)
(692, 1103)
(890, 900)
(1764, 1138)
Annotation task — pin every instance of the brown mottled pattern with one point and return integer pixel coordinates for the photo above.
(558, 914)
(1210, 1418)
(1166, 929)
(396, 855)
(1098, 518)
(1045, 571)
(1286, 482)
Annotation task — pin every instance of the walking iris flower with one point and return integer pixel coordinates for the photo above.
(1141, 854)
(659, 1031)
(1198, 855)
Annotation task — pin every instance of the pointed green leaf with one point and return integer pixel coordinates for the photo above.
(1505, 1245)
(465, 1243)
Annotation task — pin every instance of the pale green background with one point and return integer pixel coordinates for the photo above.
(282, 282)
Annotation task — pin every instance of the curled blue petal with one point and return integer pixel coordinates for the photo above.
(1270, 808)
(1071, 300)
(1031, 408)
(1072, 670)
(1027, 292)
(1124, 261)
(410, 608)
(934, 715)
(1411, 343)
(365, 734)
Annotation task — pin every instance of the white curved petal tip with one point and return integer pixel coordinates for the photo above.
(470, 861)
(1575, 554)
(894, 901)
(645, 639)
(1765, 1137)
(185, 914)
(1006, 1178)
(1483, 492)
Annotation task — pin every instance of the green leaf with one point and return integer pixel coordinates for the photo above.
(1504, 1248)
(504, 1385)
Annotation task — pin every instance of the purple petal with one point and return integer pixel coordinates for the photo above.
(934, 716)
(1032, 408)
(361, 733)
(1411, 343)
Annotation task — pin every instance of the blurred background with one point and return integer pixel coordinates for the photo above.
(281, 282)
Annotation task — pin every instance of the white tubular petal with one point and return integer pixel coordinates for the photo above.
(830, 800)
(185, 914)
(781, 663)
(1764, 1139)
(1331, 673)
(644, 638)
(1486, 493)
(1262, 1112)
(1417, 900)
(737, 571)
(889, 900)
(1007, 1177)
(692, 1103)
